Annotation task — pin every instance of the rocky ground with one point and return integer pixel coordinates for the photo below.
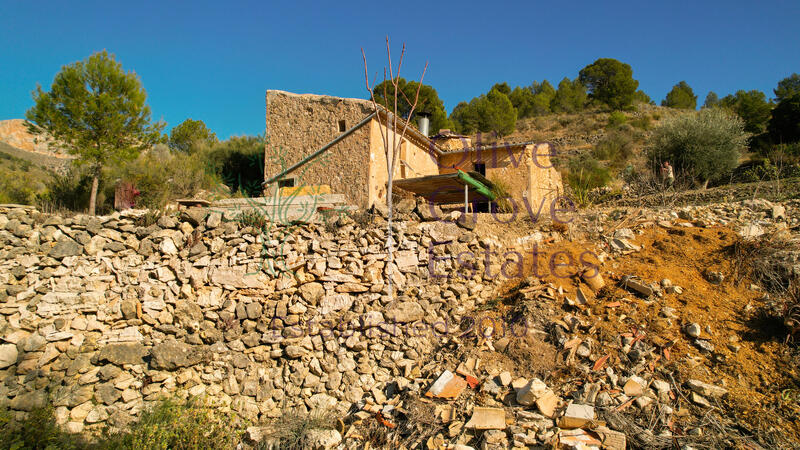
(645, 328)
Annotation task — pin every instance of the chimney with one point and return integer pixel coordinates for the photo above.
(424, 123)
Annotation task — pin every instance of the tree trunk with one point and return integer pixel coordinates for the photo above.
(93, 195)
(705, 184)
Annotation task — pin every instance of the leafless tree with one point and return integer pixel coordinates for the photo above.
(391, 144)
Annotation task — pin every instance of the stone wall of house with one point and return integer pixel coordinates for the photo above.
(298, 125)
(102, 315)
(526, 171)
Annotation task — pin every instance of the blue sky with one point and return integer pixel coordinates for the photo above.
(214, 60)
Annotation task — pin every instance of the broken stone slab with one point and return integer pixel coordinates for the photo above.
(487, 419)
(447, 385)
(579, 440)
(528, 394)
(576, 416)
(634, 387)
(706, 389)
(612, 440)
(637, 286)
(548, 403)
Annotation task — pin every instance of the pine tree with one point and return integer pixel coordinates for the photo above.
(681, 97)
(98, 112)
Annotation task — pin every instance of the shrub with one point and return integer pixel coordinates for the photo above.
(38, 431)
(500, 190)
(584, 175)
(293, 427)
(70, 191)
(616, 148)
(643, 122)
(705, 145)
(616, 118)
(177, 425)
(162, 176)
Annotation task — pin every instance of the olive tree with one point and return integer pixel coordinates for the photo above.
(705, 145)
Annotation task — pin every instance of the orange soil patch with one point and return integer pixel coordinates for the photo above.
(758, 376)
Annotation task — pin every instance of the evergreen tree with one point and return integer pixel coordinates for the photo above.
(429, 102)
(522, 99)
(98, 112)
(570, 96)
(465, 117)
(784, 125)
(496, 113)
(787, 87)
(190, 135)
(681, 97)
(712, 100)
(543, 94)
(640, 97)
(751, 106)
(610, 81)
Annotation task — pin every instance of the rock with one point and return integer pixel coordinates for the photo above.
(194, 216)
(295, 351)
(505, 378)
(548, 403)
(311, 292)
(428, 211)
(714, 277)
(466, 221)
(173, 355)
(168, 247)
(487, 419)
(447, 386)
(214, 220)
(636, 286)
(706, 389)
(778, 212)
(576, 416)
(29, 401)
(634, 387)
(693, 330)
(750, 231)
(128, 309)
(121, 354)
(65, 247)
(322, 439)
(8, 355)
(404, 312)
(528, 394)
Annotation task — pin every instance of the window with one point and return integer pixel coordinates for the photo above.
(286, 182)
(480, 168)
(342, 126)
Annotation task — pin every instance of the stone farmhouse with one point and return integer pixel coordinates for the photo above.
(327, 144)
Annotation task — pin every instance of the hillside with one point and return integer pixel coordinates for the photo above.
(21, 180)
(17, 141)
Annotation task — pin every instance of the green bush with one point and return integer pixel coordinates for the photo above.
(584, 175)
(38, 431)
(643, 122)
(616, 148)
(161, 176)
(70, 191)
(616, 119)
(178, 425)
(705, 145)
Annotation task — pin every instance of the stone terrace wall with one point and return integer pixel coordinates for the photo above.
(102, 315)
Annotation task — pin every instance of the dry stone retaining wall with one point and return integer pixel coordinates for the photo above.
(101, 315)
